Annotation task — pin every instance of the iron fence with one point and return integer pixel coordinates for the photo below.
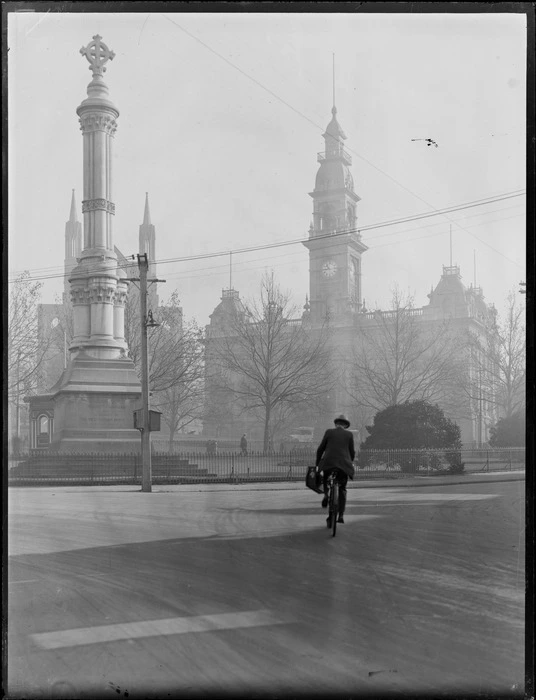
(45, 467)
(438, 461)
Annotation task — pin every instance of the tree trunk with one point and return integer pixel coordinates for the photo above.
(266, 440)
(171, 436)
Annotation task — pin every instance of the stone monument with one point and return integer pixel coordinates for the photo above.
(91, 406)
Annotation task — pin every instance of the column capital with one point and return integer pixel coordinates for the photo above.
(97, 121)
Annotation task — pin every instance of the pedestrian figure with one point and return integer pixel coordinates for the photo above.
(244, 445)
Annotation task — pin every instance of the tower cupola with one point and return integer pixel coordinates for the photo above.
(334, 137)
(334, 244)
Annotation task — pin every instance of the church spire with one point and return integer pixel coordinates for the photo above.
(147, 213)
(73, 215)
(147, 244)
(73, 247)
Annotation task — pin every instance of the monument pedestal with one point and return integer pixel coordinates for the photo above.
(94, 404)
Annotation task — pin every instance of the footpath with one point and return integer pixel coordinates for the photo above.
(382, 482)
(360, 483)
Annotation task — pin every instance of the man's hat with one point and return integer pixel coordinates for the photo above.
(342, 419)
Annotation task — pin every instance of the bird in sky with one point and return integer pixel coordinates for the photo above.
(429, 142)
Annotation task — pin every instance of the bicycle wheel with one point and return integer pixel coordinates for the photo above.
(334, 507)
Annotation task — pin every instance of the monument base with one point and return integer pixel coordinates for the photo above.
(93, 406)
(96, 421)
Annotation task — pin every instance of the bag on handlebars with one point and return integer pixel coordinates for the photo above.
(313, 479)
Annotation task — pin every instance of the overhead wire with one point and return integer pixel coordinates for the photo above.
(223, 267)
(330, 236)
(193, 274)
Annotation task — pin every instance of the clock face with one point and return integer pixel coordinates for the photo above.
(329, 268)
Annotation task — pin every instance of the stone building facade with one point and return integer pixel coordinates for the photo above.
(336, 250)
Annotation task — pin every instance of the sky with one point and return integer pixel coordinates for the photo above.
(221, 119)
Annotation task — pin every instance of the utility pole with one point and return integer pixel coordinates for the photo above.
(17, 428)
(480, 408)
(146, 320)
(146, 479)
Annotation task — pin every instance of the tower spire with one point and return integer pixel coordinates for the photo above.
(73, 216)
(334, 109)
(146, 213)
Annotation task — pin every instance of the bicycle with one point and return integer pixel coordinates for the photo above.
(333, 500)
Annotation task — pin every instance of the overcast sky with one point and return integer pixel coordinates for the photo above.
(221, 118)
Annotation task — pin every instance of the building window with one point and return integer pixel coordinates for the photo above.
(42, 424)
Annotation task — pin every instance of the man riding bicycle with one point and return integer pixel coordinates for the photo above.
(336, 453)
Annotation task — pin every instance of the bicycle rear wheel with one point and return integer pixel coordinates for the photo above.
(334, 507)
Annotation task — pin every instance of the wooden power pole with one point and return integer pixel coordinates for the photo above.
(146, 479)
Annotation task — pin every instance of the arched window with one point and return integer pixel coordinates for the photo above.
(42, 424)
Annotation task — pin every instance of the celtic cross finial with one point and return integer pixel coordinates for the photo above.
(97, 53)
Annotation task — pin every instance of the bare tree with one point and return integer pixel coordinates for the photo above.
(132, 324)
(26, 351)
(165, 341)
(181, 394)
(57, 325)
(218, 409)
(498, 358)
(176, 354)
(398, 358)
(268, 361)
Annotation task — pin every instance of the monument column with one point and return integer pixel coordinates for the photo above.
(97, 272)
(94, 401)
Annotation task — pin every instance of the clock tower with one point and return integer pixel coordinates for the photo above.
(334, 244)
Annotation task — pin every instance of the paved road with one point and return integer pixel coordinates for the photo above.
(117, 593)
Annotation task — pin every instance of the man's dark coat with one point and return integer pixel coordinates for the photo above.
(337, 450)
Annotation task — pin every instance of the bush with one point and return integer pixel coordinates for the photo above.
(409, 463)
(412, 425)
(509, 432)
(456, 466)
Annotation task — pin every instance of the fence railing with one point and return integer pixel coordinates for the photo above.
(436, 461)
(45, 467)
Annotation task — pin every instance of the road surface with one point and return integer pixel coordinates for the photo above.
(189, 592)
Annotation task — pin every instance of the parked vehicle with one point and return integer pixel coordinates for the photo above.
(298, 438)
(302, 435)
